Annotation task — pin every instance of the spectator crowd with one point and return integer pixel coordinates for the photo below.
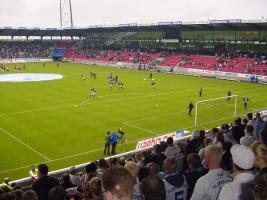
(223, 163)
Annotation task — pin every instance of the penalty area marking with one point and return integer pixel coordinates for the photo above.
(101, 149)
(24, 144)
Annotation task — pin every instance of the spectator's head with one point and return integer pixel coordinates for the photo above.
(153, 188)
(42, 170)
(169, 141)
(57, 193)
(214, 131)
(7, 196)
(29, 195)
(260, 152)
(263, 136)
(250, 116)
(213, 156)
(260, 187)
(193, 161)
(143, 173)
(207, 142)
(138, 157)
(170, 165)
(95, 187)
(144, 154)
(153, 168)
(245, 121)
(258, 115)
(202, 133)
(132, 168)
(18, 194)
(117, 183)
(72, 170)
(103, 164)
(243, 158)
(220, 137)
(224, 128)
(249, 130)
(66, 177)
(91, 168)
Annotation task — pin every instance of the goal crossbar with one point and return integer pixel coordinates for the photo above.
(219, 98)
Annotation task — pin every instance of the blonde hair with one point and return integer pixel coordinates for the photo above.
(260, 151)
(132, 168)
(214, 152)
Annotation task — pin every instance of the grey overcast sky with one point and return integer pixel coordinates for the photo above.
(45, 13)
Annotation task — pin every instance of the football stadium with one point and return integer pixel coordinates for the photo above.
(164, 110)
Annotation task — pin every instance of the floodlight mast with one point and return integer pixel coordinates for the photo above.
(66, 20)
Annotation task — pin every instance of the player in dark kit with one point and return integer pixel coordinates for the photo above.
(245, 100)
(107, 143)
(229, 94)
(153, 85)
(150, 76)
(190, 108)
(200, 92)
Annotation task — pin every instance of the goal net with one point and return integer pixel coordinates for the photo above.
(217, 110)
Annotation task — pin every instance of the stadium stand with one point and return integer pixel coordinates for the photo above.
(157, 169)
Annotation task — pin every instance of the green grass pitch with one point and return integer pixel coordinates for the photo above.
(55, 122)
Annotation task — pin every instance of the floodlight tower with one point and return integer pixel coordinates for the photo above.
(66, 20)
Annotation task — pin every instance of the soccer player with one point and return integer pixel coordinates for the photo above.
(57, 65)
(153, 85)
(200, 92)
(110, 83)
(116, 79)
(107, 143)
(190, 108)
(150, 76)
(120, 85)
(92, 93)
(229, 94)
(82, 77)
(245, 100)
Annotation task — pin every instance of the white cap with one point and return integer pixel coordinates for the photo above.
(243, 156)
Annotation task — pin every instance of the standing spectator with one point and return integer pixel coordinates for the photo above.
(249, 138)
(227, 156)
(259, 124)
(243, 162)
(260, 151)
(44, 182)
(237, 130)
(57, 193)
(252, 122)
(107, 144)
(153, 188)
(195, 144)
(209, 185)
(117, 183)
(157, 156)
(114, 139)
(174, 183)
(195, 171)
(172, 151)
(95, 188)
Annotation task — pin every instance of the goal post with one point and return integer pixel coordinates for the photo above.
(207, 101)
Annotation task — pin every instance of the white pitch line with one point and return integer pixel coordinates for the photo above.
(142, 129)
(24, 144)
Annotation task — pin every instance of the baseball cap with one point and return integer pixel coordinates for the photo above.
(243, 156)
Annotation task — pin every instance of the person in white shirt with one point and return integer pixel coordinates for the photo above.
(243, 162)
(209, 185)
(175, 184)
(172, 151)
(249, 138)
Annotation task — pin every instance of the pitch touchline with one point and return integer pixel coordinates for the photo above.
(24, 144)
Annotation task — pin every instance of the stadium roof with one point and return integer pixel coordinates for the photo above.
(220, 25)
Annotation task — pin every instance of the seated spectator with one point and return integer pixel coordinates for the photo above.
(153, 188)
(157, 156)
(57, 193)
(195, 171)
(44, 182)
(172, 151)
(66, 182)
(209, 185)
(75, 179)
(249, 138)
(134, 169)
(174, 183)
(243, 162)
(95, 188)
(29, 195)
(117, 183)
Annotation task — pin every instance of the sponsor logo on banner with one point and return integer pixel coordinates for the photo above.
(149, 143)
